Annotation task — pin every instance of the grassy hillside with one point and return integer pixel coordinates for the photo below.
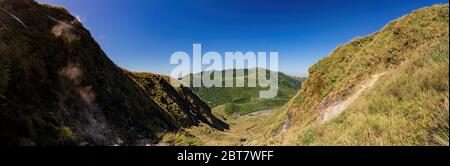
(388, 88)
(57, 87)
(407, 103)
(179, 102)
(244, 100)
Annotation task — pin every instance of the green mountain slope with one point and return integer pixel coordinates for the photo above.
(180, 102)
(58, 87)
(244, 100)
(388, 88)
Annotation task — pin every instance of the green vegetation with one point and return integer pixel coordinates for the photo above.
(244, 100)
(406, 106)
(246, 108)
(179, 102)
(66, 136)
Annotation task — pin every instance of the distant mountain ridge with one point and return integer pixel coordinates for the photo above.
(243, 100)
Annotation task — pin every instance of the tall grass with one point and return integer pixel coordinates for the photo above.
(408, 106)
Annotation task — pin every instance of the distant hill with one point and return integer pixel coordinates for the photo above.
(57, 87)
(387, 88)
(244, 100)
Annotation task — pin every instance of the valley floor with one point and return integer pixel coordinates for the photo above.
(247, 130)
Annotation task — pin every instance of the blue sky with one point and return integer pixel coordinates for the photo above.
(141, 35)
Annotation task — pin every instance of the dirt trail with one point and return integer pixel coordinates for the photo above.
(337, 108)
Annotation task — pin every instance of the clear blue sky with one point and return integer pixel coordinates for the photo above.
(141, 35)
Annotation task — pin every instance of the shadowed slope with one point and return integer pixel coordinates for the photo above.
(59, 88)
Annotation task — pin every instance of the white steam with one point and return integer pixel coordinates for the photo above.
(72, 72)
(93, 123)
(88, 95)
(65, 30)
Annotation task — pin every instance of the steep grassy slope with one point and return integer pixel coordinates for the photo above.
(244, 100)
(58, 87)
(180, 102)
(406, 105)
